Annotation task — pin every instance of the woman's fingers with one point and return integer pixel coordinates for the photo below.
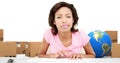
(55, 55)
(62, 53)
(75, 56)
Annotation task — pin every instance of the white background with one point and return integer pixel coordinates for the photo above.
(27, 20)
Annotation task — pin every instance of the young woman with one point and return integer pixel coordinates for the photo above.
(63, 39)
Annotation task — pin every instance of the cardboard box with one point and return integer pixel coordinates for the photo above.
(20, 47)
(113, 35)
(7, 49)
(32, 48)
(1, 34)
(115, 50)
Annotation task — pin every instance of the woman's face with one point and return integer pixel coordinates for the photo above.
(63, 19)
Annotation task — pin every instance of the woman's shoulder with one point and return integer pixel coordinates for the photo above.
(48, 35)
(82, 36)
(48, 31)
(80, 32)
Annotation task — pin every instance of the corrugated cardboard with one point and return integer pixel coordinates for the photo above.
(20, 47)
(32, 48)
(115, 50)
(7, 49)
(113, 35)
(1, 34)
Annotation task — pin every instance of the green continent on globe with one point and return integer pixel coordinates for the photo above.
(98, 35)
(105, 48)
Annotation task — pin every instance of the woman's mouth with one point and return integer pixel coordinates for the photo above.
(65, 26)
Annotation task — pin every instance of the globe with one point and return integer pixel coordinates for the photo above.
(100, 42)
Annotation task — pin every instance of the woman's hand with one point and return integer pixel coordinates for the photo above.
(54, 55)
(76, 56)
(60, 54)
(79, 55)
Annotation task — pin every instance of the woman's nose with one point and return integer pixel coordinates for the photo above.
(64, 20)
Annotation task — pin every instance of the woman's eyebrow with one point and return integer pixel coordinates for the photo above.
(68, 14)
(59, 14)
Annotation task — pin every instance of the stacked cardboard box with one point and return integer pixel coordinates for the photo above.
(11, 48)
(115, 46)
(32, 48)
(1, 34)
(7, 49)
(20, 47)
(115, 50)
(113, 35)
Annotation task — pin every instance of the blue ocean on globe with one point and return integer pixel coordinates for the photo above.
(100, 42)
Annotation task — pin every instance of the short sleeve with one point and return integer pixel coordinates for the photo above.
(48, 35)
(84, 37)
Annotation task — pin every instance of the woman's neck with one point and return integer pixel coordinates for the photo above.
(65, 38)
(65, 35)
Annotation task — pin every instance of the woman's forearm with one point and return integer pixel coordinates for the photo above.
(44, 55)
(54, 55)
(87, 56)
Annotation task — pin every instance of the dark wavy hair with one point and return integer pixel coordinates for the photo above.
(54, 9)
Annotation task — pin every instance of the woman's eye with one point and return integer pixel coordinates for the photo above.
(68, 16)
(58, 17)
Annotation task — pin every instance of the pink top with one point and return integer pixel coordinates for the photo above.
(79, 39)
